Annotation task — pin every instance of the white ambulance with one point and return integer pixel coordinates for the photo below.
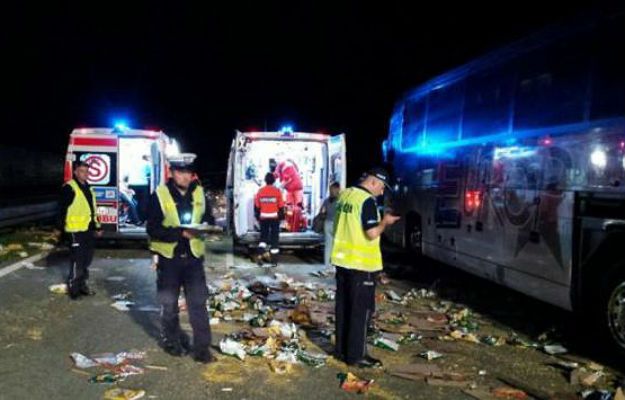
(126, 165)
(319, 159)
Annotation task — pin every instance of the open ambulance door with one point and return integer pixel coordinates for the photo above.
(337, 162)
(157, 155)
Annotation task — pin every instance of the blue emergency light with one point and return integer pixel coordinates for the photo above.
(286, 130)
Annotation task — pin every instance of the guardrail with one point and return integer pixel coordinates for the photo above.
(14, 215)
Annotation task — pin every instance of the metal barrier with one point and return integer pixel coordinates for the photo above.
(14, 215)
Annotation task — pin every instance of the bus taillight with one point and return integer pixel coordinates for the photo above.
(472, 200)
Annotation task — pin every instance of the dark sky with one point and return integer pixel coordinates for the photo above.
(201, 72)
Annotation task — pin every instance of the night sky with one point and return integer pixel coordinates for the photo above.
(199, 73)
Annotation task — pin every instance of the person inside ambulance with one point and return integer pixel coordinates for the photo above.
(179, 256)
(127, 199)
(77, 218)
(269, 210)
(287, 172)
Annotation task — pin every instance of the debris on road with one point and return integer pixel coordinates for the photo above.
(352, 384)
(59, 288)
(122, 305)
(123, 394)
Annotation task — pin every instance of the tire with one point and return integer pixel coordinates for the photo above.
(413, 235)
(611, 309)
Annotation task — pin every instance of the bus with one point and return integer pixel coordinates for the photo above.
(126, 166)
(512, 167)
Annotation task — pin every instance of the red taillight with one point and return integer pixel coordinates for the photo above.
(472, 200)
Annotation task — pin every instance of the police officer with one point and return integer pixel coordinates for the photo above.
(357, 256)
(269, 210)
(180, 257)
(78, 219)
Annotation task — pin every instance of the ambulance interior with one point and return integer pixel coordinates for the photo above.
(138, 176)
(258, 157)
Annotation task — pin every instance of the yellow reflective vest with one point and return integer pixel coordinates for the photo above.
(79, 214)
(171, 220)
(351, 247)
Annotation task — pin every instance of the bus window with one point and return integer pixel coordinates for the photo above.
(444, 111)
(608, 81)
(414, 122)
(552, 85)
(487, 104)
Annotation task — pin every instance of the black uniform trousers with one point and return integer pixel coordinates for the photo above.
(269, 234)
(81, 246)
(188, 273)
(355, 305)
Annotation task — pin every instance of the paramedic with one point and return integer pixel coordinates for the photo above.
(269, 210)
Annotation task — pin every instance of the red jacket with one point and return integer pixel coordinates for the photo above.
(288, 174)
(268, 203)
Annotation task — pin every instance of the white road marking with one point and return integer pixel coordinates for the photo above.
(22, 263)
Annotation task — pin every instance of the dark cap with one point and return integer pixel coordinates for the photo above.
(382, 175)
(182, 162)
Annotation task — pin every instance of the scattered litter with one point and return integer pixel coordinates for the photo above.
(156, 367)
(505, 392)
(555, 349)
(106, 378)
(385, 343)
(214, 321)
(230, 347)
(83, 362)
(310, 359)
(431, 355)
(22, 254)
(122, 296)
(280, 367)
(392, 296)
(584, 377)
(597, 395)
(41, 245)
(493, 341)
(59, 288)
(351, 383)
(123, 394)
(482, 372)
(244, 266)
(228, 389)
(29, 265)
(122, 305)
(570, 365)
(115, 278)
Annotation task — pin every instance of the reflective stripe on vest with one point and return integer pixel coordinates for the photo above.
(351, 247)
(79, 215)
(171, 220)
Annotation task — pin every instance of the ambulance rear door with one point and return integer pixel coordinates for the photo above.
(100, 152)
(336, 160)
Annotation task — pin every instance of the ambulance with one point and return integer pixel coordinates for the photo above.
(125, 167)
(304, 164)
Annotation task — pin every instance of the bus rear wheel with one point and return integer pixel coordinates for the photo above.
(612, 309)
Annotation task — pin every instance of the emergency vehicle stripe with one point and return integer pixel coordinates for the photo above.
(89, 141)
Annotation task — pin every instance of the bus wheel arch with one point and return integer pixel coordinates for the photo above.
(603, 292)
(413, 233)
